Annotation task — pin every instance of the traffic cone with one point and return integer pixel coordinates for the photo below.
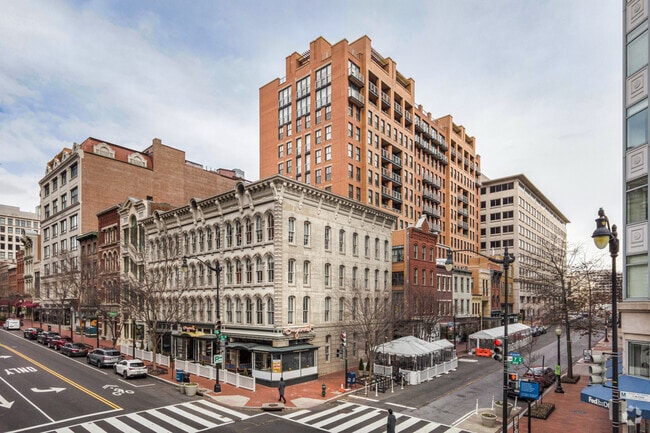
(341, 389)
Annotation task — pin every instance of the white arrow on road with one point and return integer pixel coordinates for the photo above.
(4, 356)
(4, 403)
(57, 390)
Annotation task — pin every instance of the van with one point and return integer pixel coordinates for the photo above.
(12, 324)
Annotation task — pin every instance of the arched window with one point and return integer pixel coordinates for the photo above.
(328, 306)
(249, 271)
(228, 272)
(270, 270)
(249, 231)
(237, 310)
(306, 304)
(259, 270)
(229, 310)
(270, 227)
(306, 274)
(291, 270)
(259, 312)
(259, 229)
(270, 311)
(291, 307)
(238, 270)
(249, 311)
(238, 234)
(228, 235)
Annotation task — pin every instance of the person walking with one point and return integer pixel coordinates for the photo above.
(281, 386)
(391, 421)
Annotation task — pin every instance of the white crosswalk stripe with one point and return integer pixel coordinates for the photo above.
(351, 417)
(192, 417)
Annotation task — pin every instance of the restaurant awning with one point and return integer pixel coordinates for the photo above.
(634, 390)
(254, 347)
(30, 304)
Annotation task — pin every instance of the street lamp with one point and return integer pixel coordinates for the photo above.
(217, 271)
(558, 368)
(505, 262)
(603, 236)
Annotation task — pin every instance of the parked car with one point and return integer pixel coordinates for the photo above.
(45, 336)
(74, 349)
(102, 357)
(32, 333)
(130, 368)
(545, 376)
(11, 324)
(56, 342)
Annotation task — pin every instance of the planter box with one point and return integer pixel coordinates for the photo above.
(488, 419)
(191, 388)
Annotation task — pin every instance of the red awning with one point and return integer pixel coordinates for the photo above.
(17, 303)
(30, 304)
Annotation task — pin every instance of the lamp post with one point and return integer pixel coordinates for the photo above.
(505, 262)
(558, 368)
(604, 236)
(217, 270)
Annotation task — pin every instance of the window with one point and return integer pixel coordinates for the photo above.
(637, 124)
(636, 200)
(238, 310)
(281, 151)
(328, 234)
(270, 271)
(305, 309)
(328, 307)
(341, 241)
(228, 235)
(367, 246)
(328, 132)
(74, 170)
(238, 230)
(637, 52)
(270, 312)
(249, 311)
(291, 270)
(341, 309)
(291, 231)
(270, 227)
(291, 307)
(318, 158)
(319, 136)
(636, 272)
(306, 266)
(328, 153)
(64, 201)
(259, 311)
(328, 173)
(355, 244)
(639, 358)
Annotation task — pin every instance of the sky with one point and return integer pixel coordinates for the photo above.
(538, 83)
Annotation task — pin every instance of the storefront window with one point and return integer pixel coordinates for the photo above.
(307, 359)
(290, 361)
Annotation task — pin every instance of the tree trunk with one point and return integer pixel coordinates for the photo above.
(569, 355)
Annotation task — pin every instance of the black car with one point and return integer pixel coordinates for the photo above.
(74, 349)
(44, 337)
(32, 333)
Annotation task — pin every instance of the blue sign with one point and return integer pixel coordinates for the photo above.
(528, 390)
(514, 354)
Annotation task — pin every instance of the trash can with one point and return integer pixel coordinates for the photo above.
(49, 327)
(186, 377)
(179, 375)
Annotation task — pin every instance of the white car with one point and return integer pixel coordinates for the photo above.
(130, 368)
(12, 324)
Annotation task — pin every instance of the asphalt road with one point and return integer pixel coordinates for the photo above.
(40, 389)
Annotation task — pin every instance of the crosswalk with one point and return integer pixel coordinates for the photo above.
(191, 417)
(348, 417)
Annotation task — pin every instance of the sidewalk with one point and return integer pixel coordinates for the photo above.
(570, 414)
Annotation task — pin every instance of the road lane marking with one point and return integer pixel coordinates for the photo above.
(65, 379)
(401, 405)
(27, 400)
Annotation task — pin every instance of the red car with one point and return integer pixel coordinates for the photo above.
(56, 343)
(545, 376)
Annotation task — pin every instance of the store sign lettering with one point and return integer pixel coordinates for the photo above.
(297, 331)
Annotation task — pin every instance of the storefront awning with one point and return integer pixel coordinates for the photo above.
(30, 304)
(254, 347)
(634, 390)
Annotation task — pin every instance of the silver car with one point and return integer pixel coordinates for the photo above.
(104, 357)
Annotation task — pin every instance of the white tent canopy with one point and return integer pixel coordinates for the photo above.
(412, 346)
(493, 333)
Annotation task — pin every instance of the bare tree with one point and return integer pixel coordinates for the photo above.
(552, 274)
(371, 319)
(419, 313)
(153, 297)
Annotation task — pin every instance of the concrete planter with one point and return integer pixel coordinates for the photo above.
(498, 409)
(190, 388)
(488, 419)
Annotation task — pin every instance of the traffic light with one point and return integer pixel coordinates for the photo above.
(344, 338)
(513, 377)
(339, 353)
(497, 353)
(598, 371)
(217, 328)
(513, 381)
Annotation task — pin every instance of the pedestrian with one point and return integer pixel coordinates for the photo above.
(390, 424)
(281, 387)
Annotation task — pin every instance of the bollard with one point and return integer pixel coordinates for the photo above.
(323, 388)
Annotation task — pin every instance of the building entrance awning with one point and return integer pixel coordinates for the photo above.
(634, 390)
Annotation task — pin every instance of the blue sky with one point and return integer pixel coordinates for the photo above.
(538, 83)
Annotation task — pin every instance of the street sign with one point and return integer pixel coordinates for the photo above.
(218, 359)
(528, 390)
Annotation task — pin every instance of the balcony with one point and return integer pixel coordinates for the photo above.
(386, 174)
(373, 89)
(355, 76)
(385, 100)
(431, 180)
(463, 198)
(396, 178)
(397, 196)
(426, 130)
(356, 98)
(397, 160)
(463, 211)
(463, 225)
(409, 118)
(397, 108)
(443, 144)
(418, 125)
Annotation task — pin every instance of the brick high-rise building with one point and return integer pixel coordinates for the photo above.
(81, 182)
(344, 119)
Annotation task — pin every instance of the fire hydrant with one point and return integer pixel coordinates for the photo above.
(324, 388)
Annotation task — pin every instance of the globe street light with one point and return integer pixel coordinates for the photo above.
(558, 368)
(603, 236)
(217, 270)
(505, 261)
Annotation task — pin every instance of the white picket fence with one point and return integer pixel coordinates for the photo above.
(417, 377)
(146, 355)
